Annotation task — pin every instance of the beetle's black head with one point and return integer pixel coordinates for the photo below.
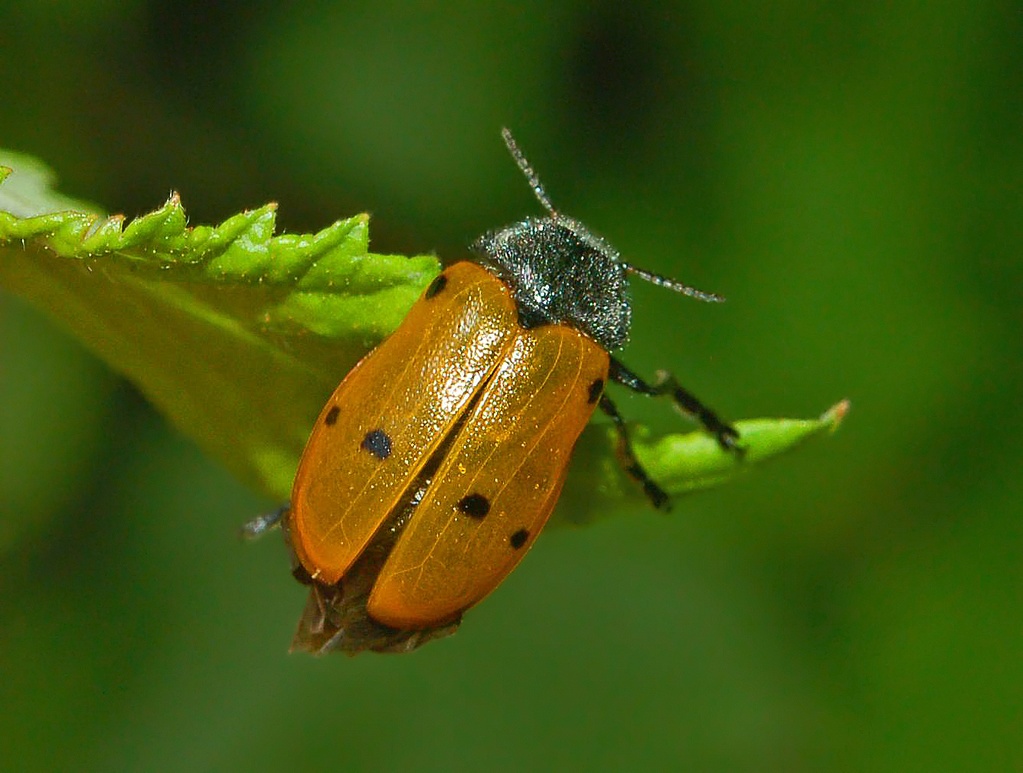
(560, 272)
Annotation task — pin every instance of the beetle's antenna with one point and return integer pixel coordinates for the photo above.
(673, 284)
(528, 171)
(534, 182)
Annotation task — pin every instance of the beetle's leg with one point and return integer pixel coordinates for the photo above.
(684, 400)
(628, 460)
(261, 524)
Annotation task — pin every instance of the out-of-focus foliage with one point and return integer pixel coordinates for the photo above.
(847, 175)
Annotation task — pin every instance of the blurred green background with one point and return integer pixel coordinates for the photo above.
(848, 175)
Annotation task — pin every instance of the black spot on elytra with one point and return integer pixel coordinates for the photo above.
(474, 505)
(518, 539)
(377, 443)
(436, 286)
(596, 389)
(331, 416)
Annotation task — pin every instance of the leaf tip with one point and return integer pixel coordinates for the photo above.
(835, 414)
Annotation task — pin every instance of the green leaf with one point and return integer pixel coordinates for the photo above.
(239, 335)
(235, 334)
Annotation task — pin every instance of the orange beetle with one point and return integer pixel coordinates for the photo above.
(437, 461)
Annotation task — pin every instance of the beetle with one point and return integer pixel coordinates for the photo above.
(438, 459)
